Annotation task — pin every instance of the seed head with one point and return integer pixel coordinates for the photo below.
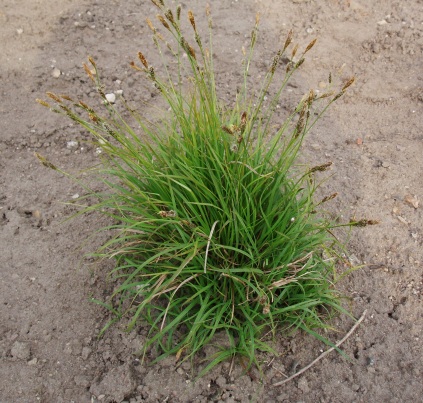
(229, 130)
(294, 51)
(192, 20)
(134, 66)
(209, 18)
(163, 21)
(151, 26)
(156, 3)
(88, 71)
(91, 60)
(321, 168)
(311, 97)
(169, 16)
(143, 60)
(330, 197)
(337, 96)
(363, 223)
(152, 73)
(243, 122)
(326, 94)
(198, 40)
(93, 117)
(300, 62)
(54, 97)
(330, 78)
(178, 12)
(45, 162)
(44, 103)
(84, 105)
(185, 45)
(288, 40)
(66, 97)
(348, 83)
(257, 18)
(310, 45)
(289, 67)
(275, 61)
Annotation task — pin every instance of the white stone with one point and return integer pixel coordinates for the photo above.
(56, 73)
(111, 98)
(72, 144)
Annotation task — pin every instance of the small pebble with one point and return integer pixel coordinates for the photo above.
(33, 361)
(56, 73)
(72, 144)
(19, 31)
(86, 351)
(111, 98)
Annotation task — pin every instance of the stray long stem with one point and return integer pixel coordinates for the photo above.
(323, 354)
(208, 245)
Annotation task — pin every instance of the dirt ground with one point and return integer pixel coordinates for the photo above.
(374, 135)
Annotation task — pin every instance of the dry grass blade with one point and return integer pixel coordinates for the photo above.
(325, 353)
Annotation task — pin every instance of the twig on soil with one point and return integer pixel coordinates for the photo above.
(325, 353)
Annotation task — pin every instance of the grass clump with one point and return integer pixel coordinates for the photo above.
(215, 228)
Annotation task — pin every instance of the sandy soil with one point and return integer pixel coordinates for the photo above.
(48, 335)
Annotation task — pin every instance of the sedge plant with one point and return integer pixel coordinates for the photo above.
(215, 229)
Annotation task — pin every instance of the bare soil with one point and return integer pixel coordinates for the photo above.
(374, 135)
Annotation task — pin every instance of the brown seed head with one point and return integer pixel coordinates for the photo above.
(227, 129)
(321, 168)
(143, 60)
(86, 107)
(54, 97)
(192, 52)
(326, 94)
(169, 15)
(67, 97)
(178, 12)
(88, 71)
(134, 66)
(44, 103)
(310, 45)
(348, 83)
(192, 20)
(288, 40)
(156, 3)
(330, 78)
(93, 117)
(330, 197)
(150, 24)
(163, 21)
(363, 223)
(243, 124)
(91, 60)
